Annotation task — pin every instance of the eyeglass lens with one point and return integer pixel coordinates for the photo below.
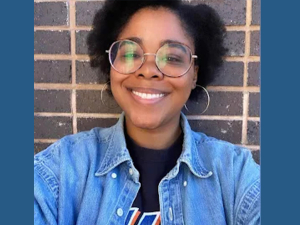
(172, 59)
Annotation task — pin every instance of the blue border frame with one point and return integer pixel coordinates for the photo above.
(16, 112)
(280, 153)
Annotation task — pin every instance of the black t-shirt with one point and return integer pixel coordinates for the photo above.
(152, 165)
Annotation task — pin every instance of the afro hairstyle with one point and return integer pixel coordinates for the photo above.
(201, 22)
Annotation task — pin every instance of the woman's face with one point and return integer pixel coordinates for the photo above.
(152, 27)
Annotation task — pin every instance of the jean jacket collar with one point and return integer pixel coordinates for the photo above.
(117, 152)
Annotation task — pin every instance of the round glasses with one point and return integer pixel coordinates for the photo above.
(172, 59)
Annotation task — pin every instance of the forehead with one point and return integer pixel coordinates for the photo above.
(153, 26)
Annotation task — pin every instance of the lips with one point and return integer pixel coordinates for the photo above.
(147, 95)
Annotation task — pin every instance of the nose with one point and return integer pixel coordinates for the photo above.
(149, 70)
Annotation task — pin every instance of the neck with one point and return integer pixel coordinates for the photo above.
(158, 138)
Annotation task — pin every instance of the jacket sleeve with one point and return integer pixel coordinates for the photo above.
(247, 189)
(45, 195)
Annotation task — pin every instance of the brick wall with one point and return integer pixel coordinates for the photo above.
(67, 90)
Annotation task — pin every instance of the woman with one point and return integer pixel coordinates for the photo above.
(150, 168)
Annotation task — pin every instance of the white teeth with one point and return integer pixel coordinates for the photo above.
(147, 96)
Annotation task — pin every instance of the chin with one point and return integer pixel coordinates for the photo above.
(149, 122)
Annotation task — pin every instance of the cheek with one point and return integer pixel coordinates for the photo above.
(185, 83)
(115, 81)
(186, 86)
(115, 85)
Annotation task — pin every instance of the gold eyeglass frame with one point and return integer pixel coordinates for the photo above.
(147, 54)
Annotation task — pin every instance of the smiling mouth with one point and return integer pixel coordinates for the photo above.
(147, 95)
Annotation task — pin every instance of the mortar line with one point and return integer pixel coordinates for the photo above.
(214, 117)
(242, 58)
(52, 28)
(85, 57)
(73, 53)
(39, 1)
(243, 28)
(251, 147)
(36, 140)
(60, 28)
(247, 40)
(222, 118)
(99, 115)
(52, 114)
(117, 115)
(61, 57)
(96, 87)
(79, 115)
(254, 119)
(232, 89)
(58, 86)
(245, 77)
(245, 118)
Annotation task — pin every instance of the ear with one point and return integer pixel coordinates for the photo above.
(195, 77)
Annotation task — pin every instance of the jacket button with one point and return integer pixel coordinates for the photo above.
(185, 183)
(120, 212)
(170, 214)
(114, 175)
(130, 171)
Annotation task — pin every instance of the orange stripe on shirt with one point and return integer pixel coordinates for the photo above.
(135, 217)
(158, 221)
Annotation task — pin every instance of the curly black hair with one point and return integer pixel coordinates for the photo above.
(200, 21)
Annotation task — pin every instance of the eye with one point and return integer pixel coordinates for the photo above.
(131, 56)
(172, 59)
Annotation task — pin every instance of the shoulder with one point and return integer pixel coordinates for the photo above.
(218, 149)
(72, 144)
(227, 160)
(236, 170)
(81, 149)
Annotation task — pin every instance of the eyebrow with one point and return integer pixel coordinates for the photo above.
(167, 41)
(135, 39)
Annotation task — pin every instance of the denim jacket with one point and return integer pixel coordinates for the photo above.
(89, 178)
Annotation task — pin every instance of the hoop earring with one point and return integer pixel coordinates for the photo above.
(104, 86)
(208, 99)
(187, 109)
(101, 97)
